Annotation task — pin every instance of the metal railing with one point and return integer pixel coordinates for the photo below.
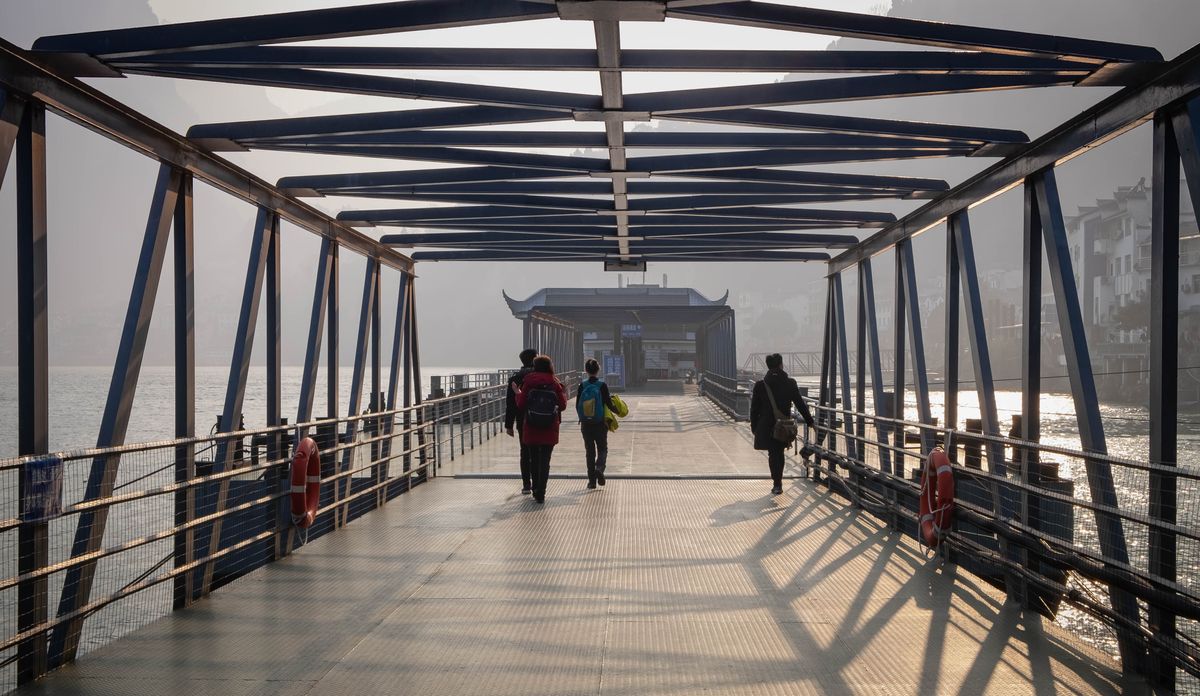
(730, 394)
(173, 535)
(1022, 524)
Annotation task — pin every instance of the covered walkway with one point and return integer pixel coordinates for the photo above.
(647, 586)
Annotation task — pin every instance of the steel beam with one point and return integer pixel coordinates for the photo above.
(235, 390)
(950, 365)
(409, 88)
(226, 136)
(899, 295)
(914, 31)
(1177, 80)
(836, 123)
(839, 308)
(868, 289)
(1031, 363)
(684, 164)
(332, 336)
(366, 323)
(307, 25)
(312, 346)
(1087, 404)
(89, 532)
(12, 108)
(1164, 373)
(792, 176)
(977, 334)
(632, 60)
(704, 256)
(33, 381)
(686, 235)
(100, 113)
(916, 339)
(825, 91)
(185, 390)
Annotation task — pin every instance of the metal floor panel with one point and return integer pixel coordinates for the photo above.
(464, 586)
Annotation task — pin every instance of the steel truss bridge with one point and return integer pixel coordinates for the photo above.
(741, 189)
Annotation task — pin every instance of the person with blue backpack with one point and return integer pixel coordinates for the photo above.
(541, 398)
(591, 400)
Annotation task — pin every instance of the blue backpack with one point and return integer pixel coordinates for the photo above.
(590, 404)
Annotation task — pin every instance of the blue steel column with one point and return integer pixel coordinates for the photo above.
(825, 394)
(950, 366)
(1031, 362)
(415, 355)
(33, 383)
(844, 365)
(185, 389)
(898, 371)
(365, 322)
(409, 388)
(395, 368)
(332, 312)
(1164, 363)
(867, 284)
(312, 347)
(916, 342)
(860, 368)
(274, 330)
(1087, 405)
(977, 333)
(89, 533)
(235, 390)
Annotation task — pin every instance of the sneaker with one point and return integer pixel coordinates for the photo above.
(526, 490)
(539, 498)
(591, 485)
(600, 478)
(776, 490)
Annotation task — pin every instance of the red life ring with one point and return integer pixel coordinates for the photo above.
(937, 500)
(306, 483)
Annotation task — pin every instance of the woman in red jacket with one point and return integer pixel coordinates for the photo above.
(542, 399)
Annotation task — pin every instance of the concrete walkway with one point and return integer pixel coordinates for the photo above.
(464, 586)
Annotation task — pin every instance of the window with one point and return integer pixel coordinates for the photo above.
(1128, 262)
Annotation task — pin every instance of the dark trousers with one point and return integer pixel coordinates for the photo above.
(539, 467)
(526, 458)
(595, 443)
(775, 460)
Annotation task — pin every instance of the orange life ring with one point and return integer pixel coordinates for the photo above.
(306, 483)
(937, 500)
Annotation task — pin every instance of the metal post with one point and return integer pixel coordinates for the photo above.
(395, 368)
(1087, 405)
(1164, 362)
(279, 475)
(867, 279)
(825, 397)
(333, 310)
(977, 333)
(89, 533)
(235, 390)
(860, 368)
(1031, 364)
(409, 388)
(950, 366)
(844, 363)
(415, 352)
(33, 383)
(185, 389)
(312, 347)
(917, 344)
(898, 372)
(365, 323)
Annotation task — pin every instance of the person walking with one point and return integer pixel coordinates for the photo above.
(770, 403)
(591, 400)
(542, 399)
(514, 416)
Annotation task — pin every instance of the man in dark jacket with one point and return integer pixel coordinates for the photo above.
(762, 416)
(512, 415)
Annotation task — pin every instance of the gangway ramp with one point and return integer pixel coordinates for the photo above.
(647, 586)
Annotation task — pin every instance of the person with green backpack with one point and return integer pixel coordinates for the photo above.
(591, 400)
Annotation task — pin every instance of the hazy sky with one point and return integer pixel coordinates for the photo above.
(99, 191)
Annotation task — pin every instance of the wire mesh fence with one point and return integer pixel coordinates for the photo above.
(1080, 537)
(97, 543)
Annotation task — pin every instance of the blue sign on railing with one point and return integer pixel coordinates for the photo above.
(43, 489)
